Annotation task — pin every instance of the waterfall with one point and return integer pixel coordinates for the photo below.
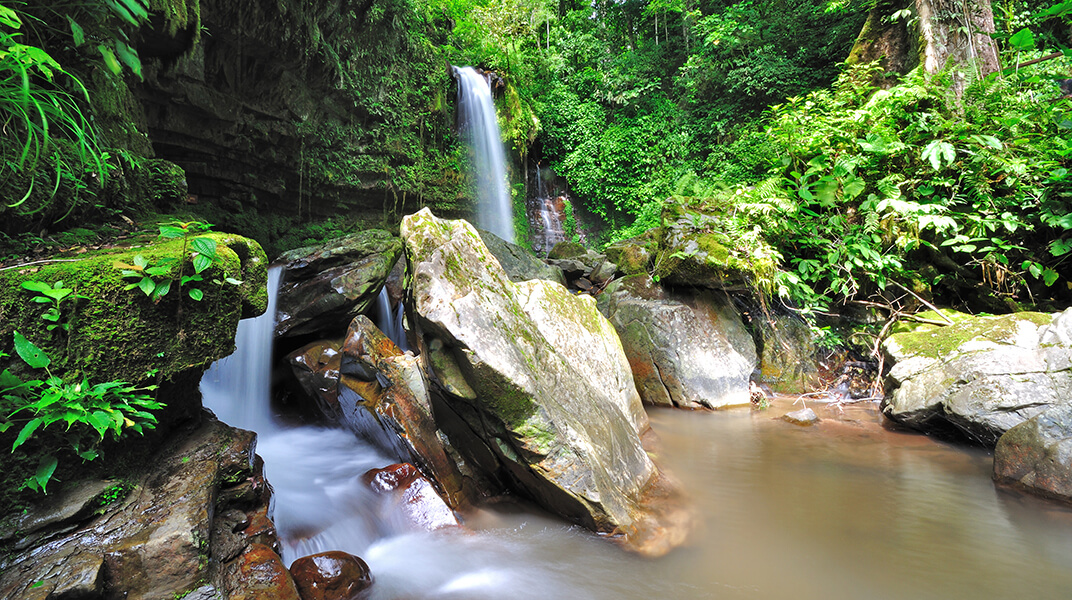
(545, 214)
(390, 321)
(480, 129)
(238, 387)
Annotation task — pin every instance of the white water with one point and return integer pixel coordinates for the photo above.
(549, 230)
(390, 321)
(480, 129)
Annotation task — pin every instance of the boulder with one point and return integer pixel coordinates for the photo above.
(412, 496)
(685, 350)
(701, 246)
(1036, 455)
(333, 575)
(181, 524)
(547, 394)
(803, 417)
(788, 362)
(980, 376)
(326, 286)
(519, 263)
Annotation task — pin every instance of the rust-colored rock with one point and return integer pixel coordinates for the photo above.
(260, 574)
(330, 576)
(316, 367)
(415, 497)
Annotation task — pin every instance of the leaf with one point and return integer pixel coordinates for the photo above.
(204, 245)
(170, 232)
(201, 262)
(939, 153)
(29, 353)
(109, 59)
(989, 141)
(147, 286)
(37, 286)
(129, 57)
(196, 294)
(26, 432)
(1022, 40)
(233, 281)
(45, 468)
(1049, 276)
(141, 261)
(10, 18)
(101, 421)
(161, 290)
(77, 32)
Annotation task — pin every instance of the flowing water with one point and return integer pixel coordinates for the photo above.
(545, 221)
(480, 129)
(843, 509)
(390, 320)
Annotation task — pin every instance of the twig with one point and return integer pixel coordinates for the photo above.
(1028, 63)
(925, 303)
(38, 262)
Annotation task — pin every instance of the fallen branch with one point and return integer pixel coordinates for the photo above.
(38, 262)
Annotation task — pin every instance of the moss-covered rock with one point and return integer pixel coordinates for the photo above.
(701, 246)
(116, 333)
(979, 376)
(634, 256)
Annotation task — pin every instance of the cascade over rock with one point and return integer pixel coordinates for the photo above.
(980, 376)
(326, 286)
(542, 383)
(690, 351)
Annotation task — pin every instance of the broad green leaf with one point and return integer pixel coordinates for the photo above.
(26, 432)
(204, 245)
(170, 232)
(147, 286)
(939, 153)
(233, 281)
(988, 140)
(10, 18)
(201, 262)
(854, 187)
(109, 59)
(196, 294)
(45, 468)
(89, 454)
(100, 421)
(1049, 276)
(158, 271)
(29, 353)
(141, 261)
(129, 57)
(37, 286)
(162, 288)
(1022, 40)
(77, 32)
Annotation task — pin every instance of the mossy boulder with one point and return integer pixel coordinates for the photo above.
(980, 376)
(634, 256)
(701, 246)
(553, 408)
(325, 286)
(117, 333)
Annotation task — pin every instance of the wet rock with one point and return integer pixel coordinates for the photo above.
(685, 350)
(555, 403)
(326, 286)
(157, 540)
(519, 263)
(1036, 455)
(331, 576)
(803, 417)
(567, 249)
(414, 498)
(981, 376)
(633, 256)
(259, 573)
(316, 368)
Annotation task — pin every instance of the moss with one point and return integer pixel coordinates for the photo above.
(536, 435)
(179, 15)
(935, 342)
(121, 334)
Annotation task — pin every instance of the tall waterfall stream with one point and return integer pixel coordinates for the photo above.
(843, 509)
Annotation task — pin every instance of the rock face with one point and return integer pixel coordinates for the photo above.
(1036, 455)
(519, 263)
(981, 376)
(331, 576)
(189, 523)
(543, 389)
(412, 496)
(689, 351)
(788, 364)
(326, 286)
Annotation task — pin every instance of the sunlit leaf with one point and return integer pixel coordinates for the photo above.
(29, 353)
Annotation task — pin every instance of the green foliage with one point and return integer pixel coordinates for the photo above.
(155, 280)
(52, 294)
(88, 413)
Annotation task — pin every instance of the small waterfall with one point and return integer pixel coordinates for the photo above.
(238, 387)
(545, 214)
(480, 129)
(390, 321)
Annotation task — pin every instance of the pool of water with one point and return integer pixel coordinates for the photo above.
(841, 509)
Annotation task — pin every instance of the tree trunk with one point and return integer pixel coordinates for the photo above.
(956, 31)
(885, 40)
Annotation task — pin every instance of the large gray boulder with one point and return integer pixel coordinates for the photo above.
(1036, 455)
(542, 387)
(980, 376)
(519, 263)
(685, 349)
(325, 286)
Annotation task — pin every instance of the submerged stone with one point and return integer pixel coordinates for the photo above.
(333, 575)
(803, 417)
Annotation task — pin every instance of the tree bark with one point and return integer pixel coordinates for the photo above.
(886, 40)
(955, 32)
